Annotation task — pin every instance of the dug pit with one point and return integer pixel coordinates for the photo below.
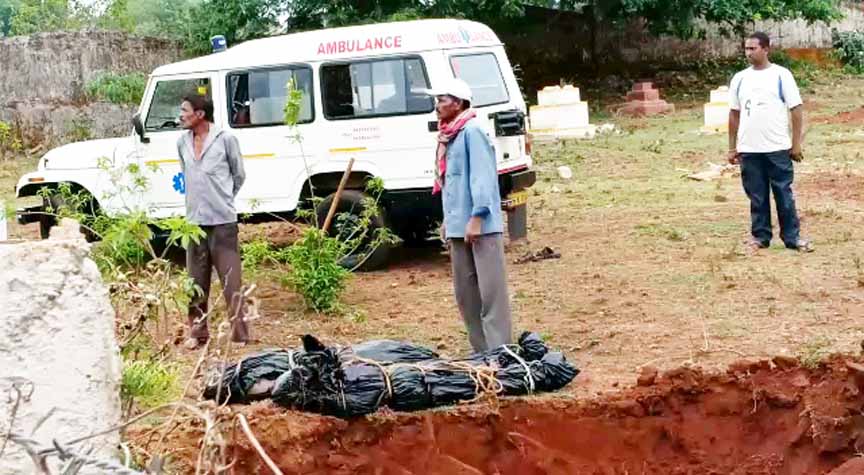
(760, 418)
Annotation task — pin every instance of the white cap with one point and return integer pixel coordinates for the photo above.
(452, 87)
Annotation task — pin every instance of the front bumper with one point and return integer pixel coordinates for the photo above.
(28, 215)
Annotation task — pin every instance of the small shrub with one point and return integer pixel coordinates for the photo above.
(125, 243)
(805, 72)
(10, 142)
(814, 352)
(316, 273)
(849, 48)
(148, 383)
(117, 88)
(259, 252)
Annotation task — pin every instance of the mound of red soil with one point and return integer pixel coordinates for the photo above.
(850, 117)
(765, 418)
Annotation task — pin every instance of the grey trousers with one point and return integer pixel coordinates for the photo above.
(480, 284)
(220, 249)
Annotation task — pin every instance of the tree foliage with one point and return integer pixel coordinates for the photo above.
(33, 16)
(689, 18)
(195, 21)
(310, 14)
(237, 20)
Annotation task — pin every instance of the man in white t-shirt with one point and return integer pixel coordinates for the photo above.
(761, 98)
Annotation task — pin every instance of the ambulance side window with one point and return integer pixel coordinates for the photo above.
(376, 88)
(257, 98)
(483, 75)
(164, 112)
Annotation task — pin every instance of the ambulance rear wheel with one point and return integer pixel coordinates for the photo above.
(368, 256)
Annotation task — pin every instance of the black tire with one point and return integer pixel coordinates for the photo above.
(46, 221)
(176, 254)
(53, 205)
(351, 202)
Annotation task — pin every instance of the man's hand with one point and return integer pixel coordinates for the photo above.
(796, 154)
(734, 157)
(473, 229)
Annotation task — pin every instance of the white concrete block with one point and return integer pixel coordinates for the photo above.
(721, 94)
(557, 95)
(559, 116)
(4, 231)
(717, 110)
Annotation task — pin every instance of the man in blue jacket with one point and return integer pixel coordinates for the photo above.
(467, 176)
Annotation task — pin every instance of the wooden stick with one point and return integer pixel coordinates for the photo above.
(338, 195)
(249, 435)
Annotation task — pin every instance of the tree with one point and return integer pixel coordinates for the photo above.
(682, 18)
(164, 18)
(7, 11)
(310, 14)
(689, 18)
(237, 20)
(34, 16)
(116, 16)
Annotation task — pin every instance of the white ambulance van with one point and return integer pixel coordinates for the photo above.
(363, 98)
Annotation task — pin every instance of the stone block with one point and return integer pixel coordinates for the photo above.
(644, 100)
(57, 346)
(647, 95)
(646, 108)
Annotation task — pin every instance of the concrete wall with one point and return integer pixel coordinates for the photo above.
(55, 67)
(43, 79)
(57, 345)
(633, 45)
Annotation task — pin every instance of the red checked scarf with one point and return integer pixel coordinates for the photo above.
(447, 131)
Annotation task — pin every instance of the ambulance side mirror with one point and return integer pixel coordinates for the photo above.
(139, 128)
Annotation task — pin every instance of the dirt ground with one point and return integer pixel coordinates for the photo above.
(652, 273)
(652, 269)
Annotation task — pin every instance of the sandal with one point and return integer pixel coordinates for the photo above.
(803, 245)
(194, 343)
(754, 245)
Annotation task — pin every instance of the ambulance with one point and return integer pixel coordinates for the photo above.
(364, 97)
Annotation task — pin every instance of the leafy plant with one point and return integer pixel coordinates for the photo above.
(814, 352)
(10, 142)
(849, 48)
(259, 252)
(315, 270)
(124, 89)
(318, 258)
(148, 383)
(805, 72)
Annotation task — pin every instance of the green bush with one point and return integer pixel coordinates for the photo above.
(118, 88)
(148, 383)
(258, 252)
(316, 273)
(849, 47)
(10, 142)
(805, 72)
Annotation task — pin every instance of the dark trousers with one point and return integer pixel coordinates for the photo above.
(764, 173)
(218, 249)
